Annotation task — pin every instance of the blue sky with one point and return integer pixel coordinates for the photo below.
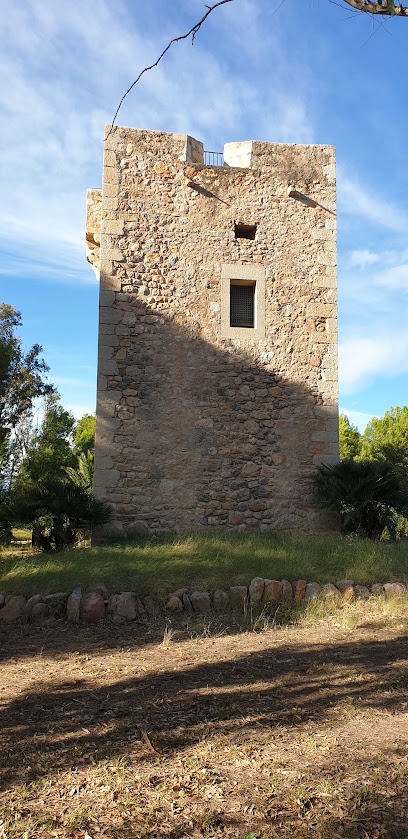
(306, 71)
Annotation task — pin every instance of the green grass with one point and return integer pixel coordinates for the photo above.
(157, 565)
(21, 534)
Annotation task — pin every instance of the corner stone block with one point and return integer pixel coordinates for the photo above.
(105, 351)
(193, 151)
(109, 315)
(108, 339)
(107, 280)
(238, 154)
(106, 478)
(107, 403)
(106, 297)
(110, 176)
(110, 368)
(113, 227)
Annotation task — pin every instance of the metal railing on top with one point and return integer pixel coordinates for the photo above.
(213, 158)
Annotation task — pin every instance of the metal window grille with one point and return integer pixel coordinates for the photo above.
(213, 158)
(242, 305)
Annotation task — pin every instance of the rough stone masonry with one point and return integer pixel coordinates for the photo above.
(217, 370)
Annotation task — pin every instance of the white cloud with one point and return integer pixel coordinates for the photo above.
(64, 69)
(363, 358)
(357, 200)
(362, 258)
(395, 277)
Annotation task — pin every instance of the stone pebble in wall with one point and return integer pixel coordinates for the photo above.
(97, 604)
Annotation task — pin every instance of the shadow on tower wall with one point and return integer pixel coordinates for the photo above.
(193, 434)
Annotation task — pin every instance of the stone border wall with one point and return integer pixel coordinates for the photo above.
(97, 604)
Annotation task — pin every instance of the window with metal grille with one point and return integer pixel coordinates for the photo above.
(242, 304)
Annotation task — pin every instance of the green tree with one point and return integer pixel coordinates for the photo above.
(84, 447)
(349, 439)
(53, 491)
(84, 434)
(386, 438)
(22, 376)
(22, 380)
(51, 448)
(83, 472)
(369, 496)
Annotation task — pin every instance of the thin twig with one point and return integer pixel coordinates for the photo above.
(193, 32)
(148, 743)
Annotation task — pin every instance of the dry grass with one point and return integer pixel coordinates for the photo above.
(296, 731)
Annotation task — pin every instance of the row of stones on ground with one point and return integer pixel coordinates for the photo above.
(96, 605)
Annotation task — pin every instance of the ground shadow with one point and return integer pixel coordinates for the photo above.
(290, 685)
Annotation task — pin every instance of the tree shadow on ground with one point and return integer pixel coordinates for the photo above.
(290, 685)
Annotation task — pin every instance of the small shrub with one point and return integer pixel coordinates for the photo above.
(369, 495)
(57, 508)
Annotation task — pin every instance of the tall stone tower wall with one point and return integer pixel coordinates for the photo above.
(203, 421)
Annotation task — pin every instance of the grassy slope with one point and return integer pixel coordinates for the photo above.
(158, 565)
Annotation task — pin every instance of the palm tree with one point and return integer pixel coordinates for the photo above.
(368, 495)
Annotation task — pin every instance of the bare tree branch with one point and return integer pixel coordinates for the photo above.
(193, 32)
(372, 7)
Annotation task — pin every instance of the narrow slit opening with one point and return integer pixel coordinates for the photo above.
(245, 231)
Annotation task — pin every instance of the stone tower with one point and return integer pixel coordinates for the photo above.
(217, 371)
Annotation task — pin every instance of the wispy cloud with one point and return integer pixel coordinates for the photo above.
(394, 278)
(363, 358)
(362, 258)
(356, 199)
(63, 75)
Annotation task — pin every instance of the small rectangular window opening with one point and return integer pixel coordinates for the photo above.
(245, 231)
(242, 303)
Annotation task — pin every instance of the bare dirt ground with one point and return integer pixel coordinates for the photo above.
(121, 732)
